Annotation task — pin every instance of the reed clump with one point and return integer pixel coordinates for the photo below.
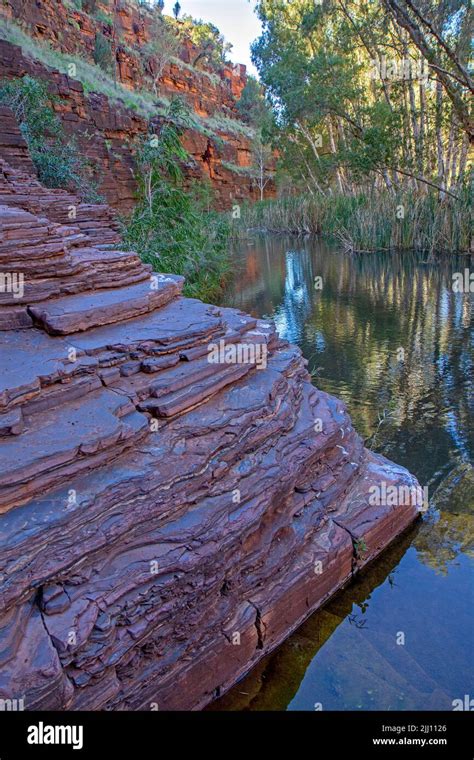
(369, 221)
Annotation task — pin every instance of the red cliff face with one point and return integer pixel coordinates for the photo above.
(105, 128)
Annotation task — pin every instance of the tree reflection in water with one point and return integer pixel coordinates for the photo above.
(387, 334)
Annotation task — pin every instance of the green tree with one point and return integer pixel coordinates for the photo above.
(358, 100)
(157, 53)
(253, 107)
(213, 48)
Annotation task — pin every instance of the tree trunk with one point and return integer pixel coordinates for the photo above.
(462, 161)
(451, 88)
(332, 144)
(439, 135)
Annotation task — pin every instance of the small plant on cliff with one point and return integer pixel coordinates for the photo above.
(158, 52)
(56, 157)
(103, 53)
(103, 18)
(172, 227)
(360, 548)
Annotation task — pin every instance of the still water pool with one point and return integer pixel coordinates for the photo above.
(387, 334)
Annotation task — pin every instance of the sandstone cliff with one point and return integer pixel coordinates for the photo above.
(107, 124)
(165, 521)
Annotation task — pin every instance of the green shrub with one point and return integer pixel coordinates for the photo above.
(103, 18)
(56, 156)
(103, 53)
(172, 227)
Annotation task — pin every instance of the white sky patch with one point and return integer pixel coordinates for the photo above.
(234, 18)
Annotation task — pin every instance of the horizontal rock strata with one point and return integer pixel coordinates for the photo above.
(165, 520)
(106, 130)
(93, 224)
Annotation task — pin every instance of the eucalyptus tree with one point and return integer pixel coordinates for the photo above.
(360, 98)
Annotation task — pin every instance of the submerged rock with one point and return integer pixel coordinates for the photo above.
(165, 520)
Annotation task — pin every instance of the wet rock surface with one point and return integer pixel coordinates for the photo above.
(165, 521)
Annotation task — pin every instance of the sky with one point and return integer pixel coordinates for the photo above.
(235, 19)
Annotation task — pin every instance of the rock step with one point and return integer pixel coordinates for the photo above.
(174, 375)
(170, 404)
(57, 443)
(180, 324)
(32, 360)
(63, 316)
(171, 470)
(61, 393)
(82, 271)
(23, 234)
(14, 318)
(19, 188)
(44, 261)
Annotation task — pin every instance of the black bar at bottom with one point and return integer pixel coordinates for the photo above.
(378, 734)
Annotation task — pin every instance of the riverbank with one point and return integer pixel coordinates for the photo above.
(372, 221)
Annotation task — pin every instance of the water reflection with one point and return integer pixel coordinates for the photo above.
(388, 335)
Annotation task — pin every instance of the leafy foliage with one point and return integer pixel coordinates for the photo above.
(56, 157)
(214, 49)
(172, 227)
(365, 92)
(253, 108)
(157, 53)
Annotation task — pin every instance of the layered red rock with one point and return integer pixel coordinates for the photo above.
(106, 130)
(73, 30)
(165, 520)
(91, 223)
(43, 259)
(12, 143)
